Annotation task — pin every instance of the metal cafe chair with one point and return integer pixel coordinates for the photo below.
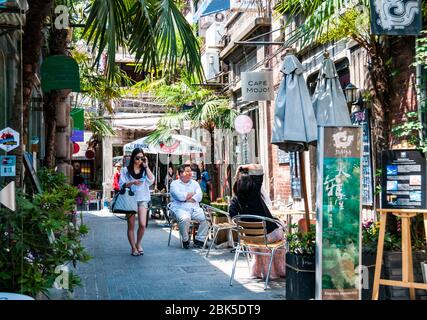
(215, 228)
(252, 233)
(157, 204)
(94, 198)
(171, 218)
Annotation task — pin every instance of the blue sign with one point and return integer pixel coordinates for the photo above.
(7, 166)
(361, 118)
(7, 3)
(77, 136)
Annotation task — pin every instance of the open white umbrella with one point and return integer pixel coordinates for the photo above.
(329, 102)
(177, 145)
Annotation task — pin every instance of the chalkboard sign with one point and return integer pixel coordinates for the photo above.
(403, 179)
(31, 172)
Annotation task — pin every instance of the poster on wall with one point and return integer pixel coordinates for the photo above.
(361, 118)
(403, 182)
(338, 244)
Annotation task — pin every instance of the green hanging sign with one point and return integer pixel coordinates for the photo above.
(60, 72)
(338, 251)
(78, 115)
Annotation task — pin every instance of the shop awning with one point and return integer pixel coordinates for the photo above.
(210, 7)
(135, 121)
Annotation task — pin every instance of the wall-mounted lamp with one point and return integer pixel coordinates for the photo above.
(350, 93)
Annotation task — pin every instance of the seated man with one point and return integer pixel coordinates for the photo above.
(185, 197)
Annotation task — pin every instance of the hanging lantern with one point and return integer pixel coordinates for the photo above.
(76, 148)
(90, 154)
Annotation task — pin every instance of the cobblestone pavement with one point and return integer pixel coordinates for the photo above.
(162, 273)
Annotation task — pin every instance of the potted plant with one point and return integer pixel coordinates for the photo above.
(300, 264)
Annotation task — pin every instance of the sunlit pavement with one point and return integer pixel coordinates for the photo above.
(163, 272)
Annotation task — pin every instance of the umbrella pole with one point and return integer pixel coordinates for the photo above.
(304, 190)
(167, 173)
(157, 170)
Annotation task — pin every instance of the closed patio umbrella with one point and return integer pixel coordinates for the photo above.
(294, 121)
(295, 125)
(329, 102)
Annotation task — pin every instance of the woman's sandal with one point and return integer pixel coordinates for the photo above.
(135, 254)
(141, 252)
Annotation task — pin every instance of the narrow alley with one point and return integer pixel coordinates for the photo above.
(163, 272)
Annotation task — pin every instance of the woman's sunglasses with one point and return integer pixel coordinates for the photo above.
(139, 158)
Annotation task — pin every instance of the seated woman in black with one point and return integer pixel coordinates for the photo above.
(248, 199)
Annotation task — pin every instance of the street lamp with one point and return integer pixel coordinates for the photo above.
(350, 93)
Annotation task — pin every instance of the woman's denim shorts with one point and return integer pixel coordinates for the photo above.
(143, 204)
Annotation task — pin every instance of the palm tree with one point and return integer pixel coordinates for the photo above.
(332, 20)
(207, 110)
(150, 29)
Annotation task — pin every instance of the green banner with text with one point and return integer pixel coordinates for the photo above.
(340, 214)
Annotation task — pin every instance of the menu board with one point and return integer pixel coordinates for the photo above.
(403, 179)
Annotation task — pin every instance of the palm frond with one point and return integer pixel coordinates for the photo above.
(320, 16)
(161, 134)
(107, 28)
(173, 120)
(98, 126)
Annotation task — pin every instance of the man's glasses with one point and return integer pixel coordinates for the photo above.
(139, 158)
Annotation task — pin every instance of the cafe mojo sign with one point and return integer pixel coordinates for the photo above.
(257, 86)
(396, 17)
(338, 236)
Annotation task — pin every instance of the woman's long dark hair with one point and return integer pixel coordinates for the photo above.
(244, 187)
(132, 162)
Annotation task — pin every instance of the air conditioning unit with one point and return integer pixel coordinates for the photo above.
(210, 62)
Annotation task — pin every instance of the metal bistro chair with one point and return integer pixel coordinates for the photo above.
(253, 233)
(157, 204)
(217, 227)
(171, 218)
(94, 198)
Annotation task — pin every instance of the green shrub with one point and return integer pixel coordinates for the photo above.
(301, 243)
(39, 237)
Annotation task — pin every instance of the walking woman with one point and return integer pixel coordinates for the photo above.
(138, 177)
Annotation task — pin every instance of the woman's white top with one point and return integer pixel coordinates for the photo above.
(142, 192)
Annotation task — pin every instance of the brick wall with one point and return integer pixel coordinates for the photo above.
(280, 187)
(404, 81)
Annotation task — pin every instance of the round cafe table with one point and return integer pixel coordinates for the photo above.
(14, 296)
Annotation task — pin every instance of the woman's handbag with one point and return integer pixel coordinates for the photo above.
(124, 202)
